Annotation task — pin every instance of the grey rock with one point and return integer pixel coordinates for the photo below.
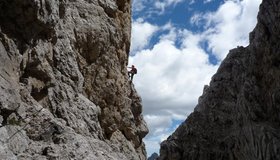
(64, 90)
(154, 156)
(237, 116)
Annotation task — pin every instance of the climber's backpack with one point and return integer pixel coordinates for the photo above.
(135, 71)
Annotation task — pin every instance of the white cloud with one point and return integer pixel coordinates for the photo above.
(138, 5)
(207, 1)
(141, 34)
(158, 124)
(197, 19)
(153, 7)
(229, 26)
(162, 5)
(192, 2)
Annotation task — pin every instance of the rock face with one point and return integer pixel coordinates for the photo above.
(154, 156)
(64, 90)
(238, 115)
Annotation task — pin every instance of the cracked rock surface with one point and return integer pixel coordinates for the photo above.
(64, 90)
(238, 115)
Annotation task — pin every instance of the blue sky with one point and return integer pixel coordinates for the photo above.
(177, 46)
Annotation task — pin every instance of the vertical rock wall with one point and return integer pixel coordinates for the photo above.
(64, 91)
(238, 115)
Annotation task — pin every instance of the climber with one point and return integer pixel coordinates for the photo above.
(132, 72)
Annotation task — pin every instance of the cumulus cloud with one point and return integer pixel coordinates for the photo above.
(229, 26)
(141, 34)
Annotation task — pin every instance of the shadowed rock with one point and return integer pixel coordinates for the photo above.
(237, 117)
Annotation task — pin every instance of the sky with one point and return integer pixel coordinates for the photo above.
(177, 46)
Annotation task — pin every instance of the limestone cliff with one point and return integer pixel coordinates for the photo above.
(238, 115)
(64, 90)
